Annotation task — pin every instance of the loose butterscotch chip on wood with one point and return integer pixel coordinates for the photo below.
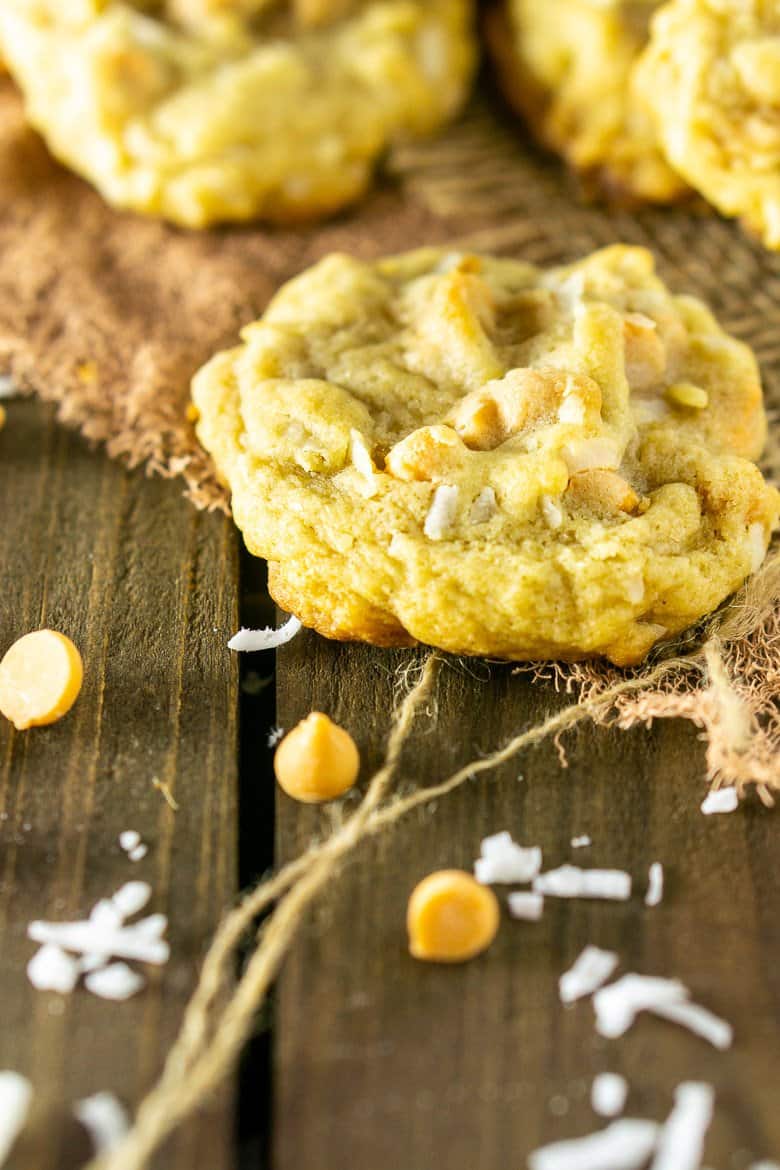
(40, 679)
(451, 917)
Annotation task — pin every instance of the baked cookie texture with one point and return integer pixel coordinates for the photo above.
(567, 66)
(217, 110)
(710, 79)
(492, 458)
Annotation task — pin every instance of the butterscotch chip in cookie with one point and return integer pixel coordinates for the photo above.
(710, 79)
(567, 66)
(420, 460)
(212, 110)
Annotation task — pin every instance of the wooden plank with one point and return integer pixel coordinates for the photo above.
(385, 1062)
(147, 588)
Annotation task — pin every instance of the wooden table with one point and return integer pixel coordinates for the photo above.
(366, 1057)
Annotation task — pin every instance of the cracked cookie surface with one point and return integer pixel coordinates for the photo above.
(492, 458)
(710, 79)
(202, 111)
(567, 66)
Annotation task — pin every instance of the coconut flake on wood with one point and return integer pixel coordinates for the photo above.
(581, 842)
(139, 853)
(570, 882)
(51, 969)
(655, 885)
(618, 1005)
(591, 970)
(7, 387)
(89, 938)
(116, 981)
(503, 860)
(15, 1098)
(608, 1094)
(131, 897)
(681, 1141)
(265, 639)
(623, 1145)
(525, 906)
(723, 800)
(105, 1120)
(129, 839)
(698, 1020)
(441, 514)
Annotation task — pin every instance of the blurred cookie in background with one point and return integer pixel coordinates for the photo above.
(567, 66)
(201, 111)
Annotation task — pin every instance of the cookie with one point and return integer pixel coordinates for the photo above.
(492, 458)
(202, 111)
(710, 78)
(566, 66)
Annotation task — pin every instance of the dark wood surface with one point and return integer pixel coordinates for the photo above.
(147, 589)
(378, 1061)
(388, 1063)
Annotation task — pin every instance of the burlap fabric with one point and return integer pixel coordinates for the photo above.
(109, 315)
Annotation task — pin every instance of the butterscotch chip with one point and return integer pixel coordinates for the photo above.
(710, 79)
(211, 110)
(567, 65)
(416, 465)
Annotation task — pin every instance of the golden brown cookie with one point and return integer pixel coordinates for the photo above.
(492, 458)
(710, 79)
(210, 110)
(566, 66)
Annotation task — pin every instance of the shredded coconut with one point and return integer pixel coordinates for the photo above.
(265, 639)
(7, 387)
(724, 800)
(441, 513)
(681, 1141)
(553, 515)
(484, 507)
(503, 860)
(608, 1094)
(106, 914)
(757, 546)
(90, 938)
(15, 1098)
(131, 898)
(698, 1020)
(274, 735)
(129, 839)
(139, 853)
(580, 842)
(51, 969)
(116, 981)
(104, 1118)
(584, 454)
(570, 882)
(526, 906)
(618, 1005)
(591, 970)
(362, 462)
(572, 410)
(655, 885)
(623, 1145)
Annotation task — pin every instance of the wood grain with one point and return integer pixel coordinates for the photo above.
(384, 1062)
(147, 589)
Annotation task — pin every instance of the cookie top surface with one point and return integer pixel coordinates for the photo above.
(710, 79)
(208, 110)
(492, 458)
(573, 61)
